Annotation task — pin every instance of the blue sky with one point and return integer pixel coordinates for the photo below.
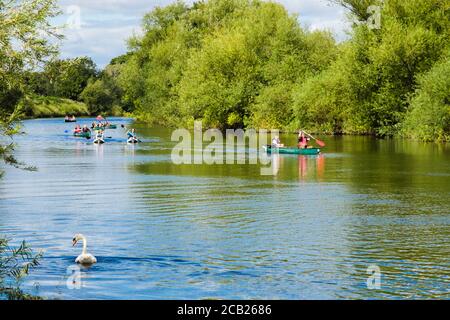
(99, 28)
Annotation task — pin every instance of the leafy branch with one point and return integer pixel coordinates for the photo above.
(15, 264)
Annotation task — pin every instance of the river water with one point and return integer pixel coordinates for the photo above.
(320, 228)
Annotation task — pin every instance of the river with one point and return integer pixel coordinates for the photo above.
(317, 229)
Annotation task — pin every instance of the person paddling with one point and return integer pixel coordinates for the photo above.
(302, 140)
(131, 133)
(276, 143)
(132, 138)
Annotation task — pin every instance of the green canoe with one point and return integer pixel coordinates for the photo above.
(306, 152)
(86, 135)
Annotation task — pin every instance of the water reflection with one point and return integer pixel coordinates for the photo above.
(310, 168)
(163, 231)
(99, 150)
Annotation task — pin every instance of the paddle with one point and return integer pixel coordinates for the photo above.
(319, 142)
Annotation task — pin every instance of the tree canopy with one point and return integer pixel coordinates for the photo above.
(24, 44)
(237, 63)
(229, 63)
(378, 70)
(64, 78)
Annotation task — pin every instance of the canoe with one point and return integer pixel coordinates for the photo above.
(86, 135)
(132, 140)
(306, 152)
(70, 120)
(99, 140)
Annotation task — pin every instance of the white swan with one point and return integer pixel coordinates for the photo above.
(84, 258)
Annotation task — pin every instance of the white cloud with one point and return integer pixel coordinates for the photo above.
(107, 24)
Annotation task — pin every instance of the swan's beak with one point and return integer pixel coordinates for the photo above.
(74, 242)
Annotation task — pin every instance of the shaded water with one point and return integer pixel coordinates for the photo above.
(162, 231)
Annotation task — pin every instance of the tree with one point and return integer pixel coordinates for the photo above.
(68, 78)
(429, 116)
(24, 44)
(322, 103)
(217, 59)
(379, 70)
(99, 97)
(236, 63)
(358, 8)
(104, 95)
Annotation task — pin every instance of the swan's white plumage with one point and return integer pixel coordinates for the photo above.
(84, 258)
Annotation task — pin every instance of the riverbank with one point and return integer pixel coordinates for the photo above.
(151, 122)
(53, 107)
(49, 107)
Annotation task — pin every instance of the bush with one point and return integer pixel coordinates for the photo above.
(15, 263)
(98, 97)
(429, 116)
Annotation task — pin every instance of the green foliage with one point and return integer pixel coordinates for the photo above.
(25, 33)
(46, 106)
(63, 78)
(322, 102)
(218, 61)
(98, 96)
(131, 81)
(104, 95)
(358, 8)
(429, 116)
(24, 44)
(16, 263)
(236, 63)
(368, 88)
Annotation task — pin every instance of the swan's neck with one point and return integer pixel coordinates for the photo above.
(84, 246)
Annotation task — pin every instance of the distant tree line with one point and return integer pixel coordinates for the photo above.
(78, 79)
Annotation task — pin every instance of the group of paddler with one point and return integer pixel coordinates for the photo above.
(99, 129)
(85, 132)
(70, 119)
(101, 125)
